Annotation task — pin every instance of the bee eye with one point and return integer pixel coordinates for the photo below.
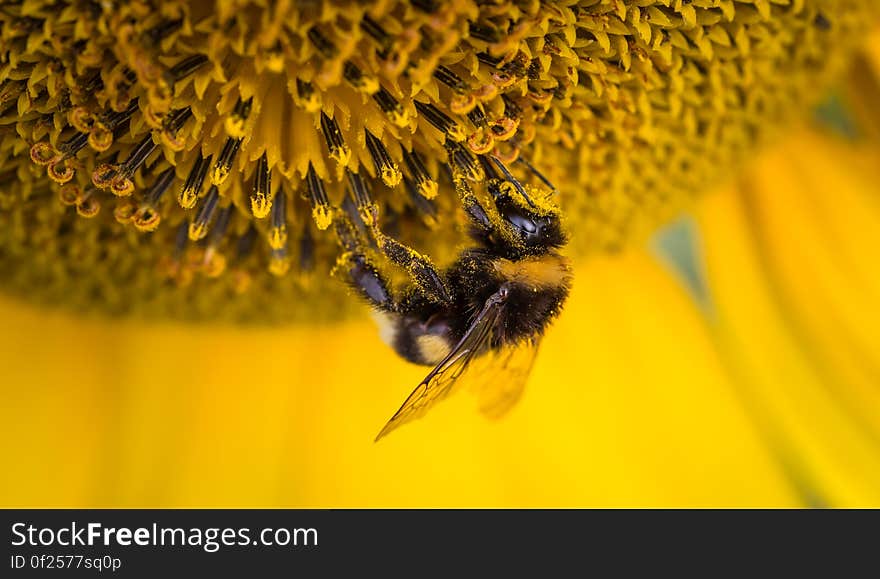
(523, 223)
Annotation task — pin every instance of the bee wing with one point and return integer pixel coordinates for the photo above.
(500, 389)
(441, 381)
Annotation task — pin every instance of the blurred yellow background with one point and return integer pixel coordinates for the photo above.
(757, 386)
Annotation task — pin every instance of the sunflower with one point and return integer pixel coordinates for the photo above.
(189, 160)
(190, 157)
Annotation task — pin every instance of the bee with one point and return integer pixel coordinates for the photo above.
(493, 303)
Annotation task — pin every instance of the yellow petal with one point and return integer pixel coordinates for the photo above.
(791, 257)
(628, 406)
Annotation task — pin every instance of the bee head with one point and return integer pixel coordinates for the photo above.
(535, 229)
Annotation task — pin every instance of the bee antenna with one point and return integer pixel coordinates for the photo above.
(516, 184)
(522, 160)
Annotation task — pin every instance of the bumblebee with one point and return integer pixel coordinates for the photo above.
(492, 304)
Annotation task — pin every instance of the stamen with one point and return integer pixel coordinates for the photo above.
(423, 206)
(162, 30)
(102, 176)
(354, 217)
(326, 48)
(122, 184)
(483, 32)
(273, 57)
(358, 79)
(115, 119)
(81, 119)
(488, 59)
(423, 182)
(100, 137)
(193, 186)
(375, 31)
(392, 109)
(245, 243)
(279, 262)
(441, 121)
(361, 194)
(306, 249)
(511, 109)
(462, 104)
(307, 97)
(124, 211)
(339, 151)
(214, 262)
(61, 172)
(260, 201)
(385, 166)
(187, 66)
(88, 205)
(220, 226)
(69, 194)
(106, 129)
(462, 162)
(504, 128)
(73, 145)
(223, 166)
(147, 217)
(321, 211)
(181, 240)
(478, 117)
(481, 142)
(173, 123)
(450, 79)
(43, 153)
(235, 123)
(199, 226)
(278, 231)
(429, 6)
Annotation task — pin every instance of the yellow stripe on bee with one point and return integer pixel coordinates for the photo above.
(535, 272)
(433, 348)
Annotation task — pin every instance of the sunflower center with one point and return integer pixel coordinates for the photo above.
(227, 135)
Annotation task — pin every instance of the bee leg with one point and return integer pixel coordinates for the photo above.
(475, 211)
(359, 271)
(366, 279)
(419, 267)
